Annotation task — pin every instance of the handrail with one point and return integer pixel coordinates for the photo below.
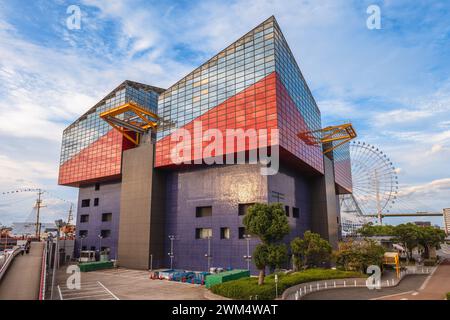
(43, 280)
(9, 257)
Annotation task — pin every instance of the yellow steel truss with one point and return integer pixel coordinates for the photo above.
(145, 120)
(342, 133)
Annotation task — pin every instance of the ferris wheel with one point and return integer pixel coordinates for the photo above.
(375, 182)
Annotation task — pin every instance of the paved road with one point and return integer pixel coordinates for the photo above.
(434, 288)
(125, 284)
(409, 283)
(22, 280)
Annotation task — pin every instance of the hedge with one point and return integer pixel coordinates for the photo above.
(242, 289)
(429, 262)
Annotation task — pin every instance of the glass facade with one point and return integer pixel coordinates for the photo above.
(91, 148)
(254, 83)
(342, 168)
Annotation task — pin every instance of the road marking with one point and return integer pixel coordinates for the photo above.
(414, 293)
(108, 290)
(90, 296)
(393, 295)
(425, 283)
(404, 299)
(60, 294)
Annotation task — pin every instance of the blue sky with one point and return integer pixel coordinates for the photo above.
(392, 83)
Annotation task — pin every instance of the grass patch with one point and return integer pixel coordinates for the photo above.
(244, 288)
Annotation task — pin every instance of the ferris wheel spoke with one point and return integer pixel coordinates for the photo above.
(374, 179)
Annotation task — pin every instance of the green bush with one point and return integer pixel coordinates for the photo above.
(246, 287)
(448, 295)
(429, 262)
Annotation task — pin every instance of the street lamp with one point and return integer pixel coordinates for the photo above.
(208, 255)
(248, 257)
(81, 243)
(100, 237)
(171, 255)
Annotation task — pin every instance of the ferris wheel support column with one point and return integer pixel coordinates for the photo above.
(377, 187)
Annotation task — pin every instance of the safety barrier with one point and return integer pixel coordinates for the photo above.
(9, 258)
(297, 292)
(43, 281)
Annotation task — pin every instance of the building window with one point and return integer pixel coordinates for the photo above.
(83, 233)
(84, 218)
(83, 248)
(241, 232)
(286, 209)
(225, 233)
(96, 202)
(203, 233)
(106, 217)
(97, 186)
(243, 207)
(85, 203)
(296, 212)
(105, 233)
(201, 212)
(92, 248)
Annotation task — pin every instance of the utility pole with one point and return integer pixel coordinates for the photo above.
(38, 210)
(248, 257)
(171, 255)
(208, 255)
(377, 186)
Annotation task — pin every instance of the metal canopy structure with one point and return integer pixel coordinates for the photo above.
(342, 133)
(131, 120)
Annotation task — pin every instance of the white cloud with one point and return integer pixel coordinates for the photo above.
(45, 87)
(430, 187)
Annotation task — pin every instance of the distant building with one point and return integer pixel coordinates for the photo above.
(422, 223)
(447, 221)
(29, 228)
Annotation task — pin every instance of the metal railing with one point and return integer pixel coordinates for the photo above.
(43, 280)
(299, 291)
(9, 258)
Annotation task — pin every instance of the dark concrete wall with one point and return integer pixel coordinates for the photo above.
(109, 202)
(140, 232)
(325, 209)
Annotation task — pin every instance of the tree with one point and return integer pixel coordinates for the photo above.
(358, 255)
(407, 234)
(430, 237)
(269, 223)
(370, 230)
(311, 251)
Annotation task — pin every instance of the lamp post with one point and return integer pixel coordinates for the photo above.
(208, 255)
(81, 245)
(171, 255)
(248, 257)
(100, 237)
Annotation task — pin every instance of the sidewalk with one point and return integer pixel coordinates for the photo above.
(434, 288)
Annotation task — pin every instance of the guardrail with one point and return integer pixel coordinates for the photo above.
(297, 292)
(9, 258)
(43, 281)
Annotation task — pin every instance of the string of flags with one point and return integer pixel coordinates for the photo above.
(53, 196)
(21, 190)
